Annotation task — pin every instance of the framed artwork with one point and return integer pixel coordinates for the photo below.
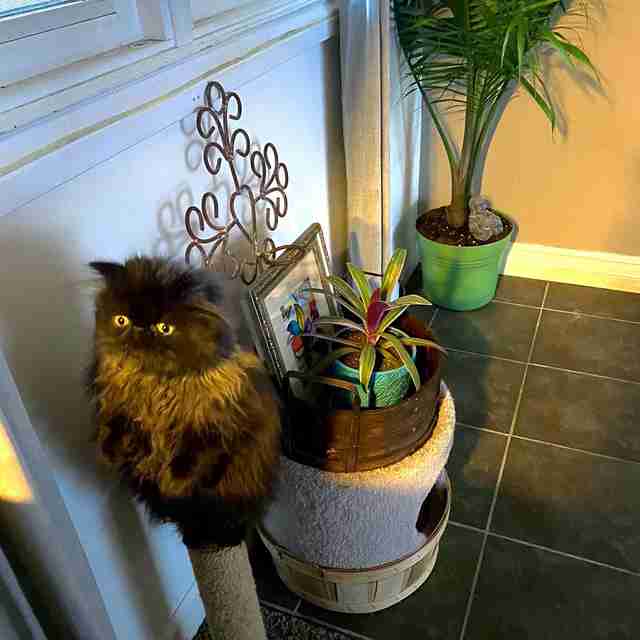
(279, 309)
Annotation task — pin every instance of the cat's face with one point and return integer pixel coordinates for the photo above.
(161, 316)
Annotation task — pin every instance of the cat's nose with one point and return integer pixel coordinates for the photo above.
(142, 330)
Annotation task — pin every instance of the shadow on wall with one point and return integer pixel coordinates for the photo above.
(131, 550)
(47, 323)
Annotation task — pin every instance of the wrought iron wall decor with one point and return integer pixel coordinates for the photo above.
(264, 191)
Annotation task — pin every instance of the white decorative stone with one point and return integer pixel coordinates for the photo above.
(363, 519)
(483, 223)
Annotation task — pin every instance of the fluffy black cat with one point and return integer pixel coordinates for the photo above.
(189, 419)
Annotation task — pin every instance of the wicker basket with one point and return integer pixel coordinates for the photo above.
(374, 588)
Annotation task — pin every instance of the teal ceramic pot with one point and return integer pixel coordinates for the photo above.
(386, 389)
(461, 278)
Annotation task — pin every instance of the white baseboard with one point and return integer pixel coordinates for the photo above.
(588, 268)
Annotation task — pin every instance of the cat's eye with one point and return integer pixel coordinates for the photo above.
(121, 321)
(165, 329)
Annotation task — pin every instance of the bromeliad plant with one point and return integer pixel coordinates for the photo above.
(371, 333)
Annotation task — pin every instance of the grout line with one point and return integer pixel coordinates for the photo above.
(576, 313)
(462, 525)
(295, 613)
(541, 365)
(475, 428)
(323, 623)
(474, 584)
(564, 554)
(596, 454)
(483, 355)
(582, 373)
(592, 315)
(533, 545)
(517, 436)
(503, 463)
(517, 304)
(273, 605)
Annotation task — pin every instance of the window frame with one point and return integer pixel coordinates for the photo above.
(38, 20)
(43, 41)
(203, 10)
(93, 84)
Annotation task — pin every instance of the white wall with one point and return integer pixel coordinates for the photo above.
(134, 202)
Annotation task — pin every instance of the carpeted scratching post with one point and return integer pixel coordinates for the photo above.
(228, 592)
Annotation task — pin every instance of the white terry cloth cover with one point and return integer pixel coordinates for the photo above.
(363, 519)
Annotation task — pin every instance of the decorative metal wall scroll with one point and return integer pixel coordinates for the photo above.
(263, 192)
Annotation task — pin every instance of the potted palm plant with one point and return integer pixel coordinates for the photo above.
(374, 353)
(473, 55)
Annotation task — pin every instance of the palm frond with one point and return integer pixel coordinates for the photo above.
(470, 53)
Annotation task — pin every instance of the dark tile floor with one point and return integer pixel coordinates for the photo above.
(544, 542)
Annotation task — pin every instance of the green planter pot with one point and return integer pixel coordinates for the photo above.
(386, 389)
(461, 278)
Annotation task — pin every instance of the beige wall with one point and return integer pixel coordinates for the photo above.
(579, 189)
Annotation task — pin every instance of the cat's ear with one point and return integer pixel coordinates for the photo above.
(108, 270)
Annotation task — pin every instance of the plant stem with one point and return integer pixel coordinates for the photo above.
(448, 147)
(457, 211)
(481, 138)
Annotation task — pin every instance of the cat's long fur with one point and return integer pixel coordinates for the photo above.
(193, 425)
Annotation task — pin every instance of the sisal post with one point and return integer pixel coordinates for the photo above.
(228, 592)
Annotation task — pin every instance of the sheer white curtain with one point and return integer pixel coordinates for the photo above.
(381, 135)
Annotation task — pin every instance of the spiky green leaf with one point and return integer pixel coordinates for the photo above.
(347, 293)
(323, 364)
(423, 342)
(410, 300)
(340, 300)
(404, 356)
(541, 101)
(390, 318)
(392, 273)
(367, 363)
(338, 321)
(361, 282)
(335, 339)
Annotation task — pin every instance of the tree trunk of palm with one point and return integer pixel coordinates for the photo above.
(457, 210)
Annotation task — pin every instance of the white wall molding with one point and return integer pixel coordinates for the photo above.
(39, 157)
(588, 268)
